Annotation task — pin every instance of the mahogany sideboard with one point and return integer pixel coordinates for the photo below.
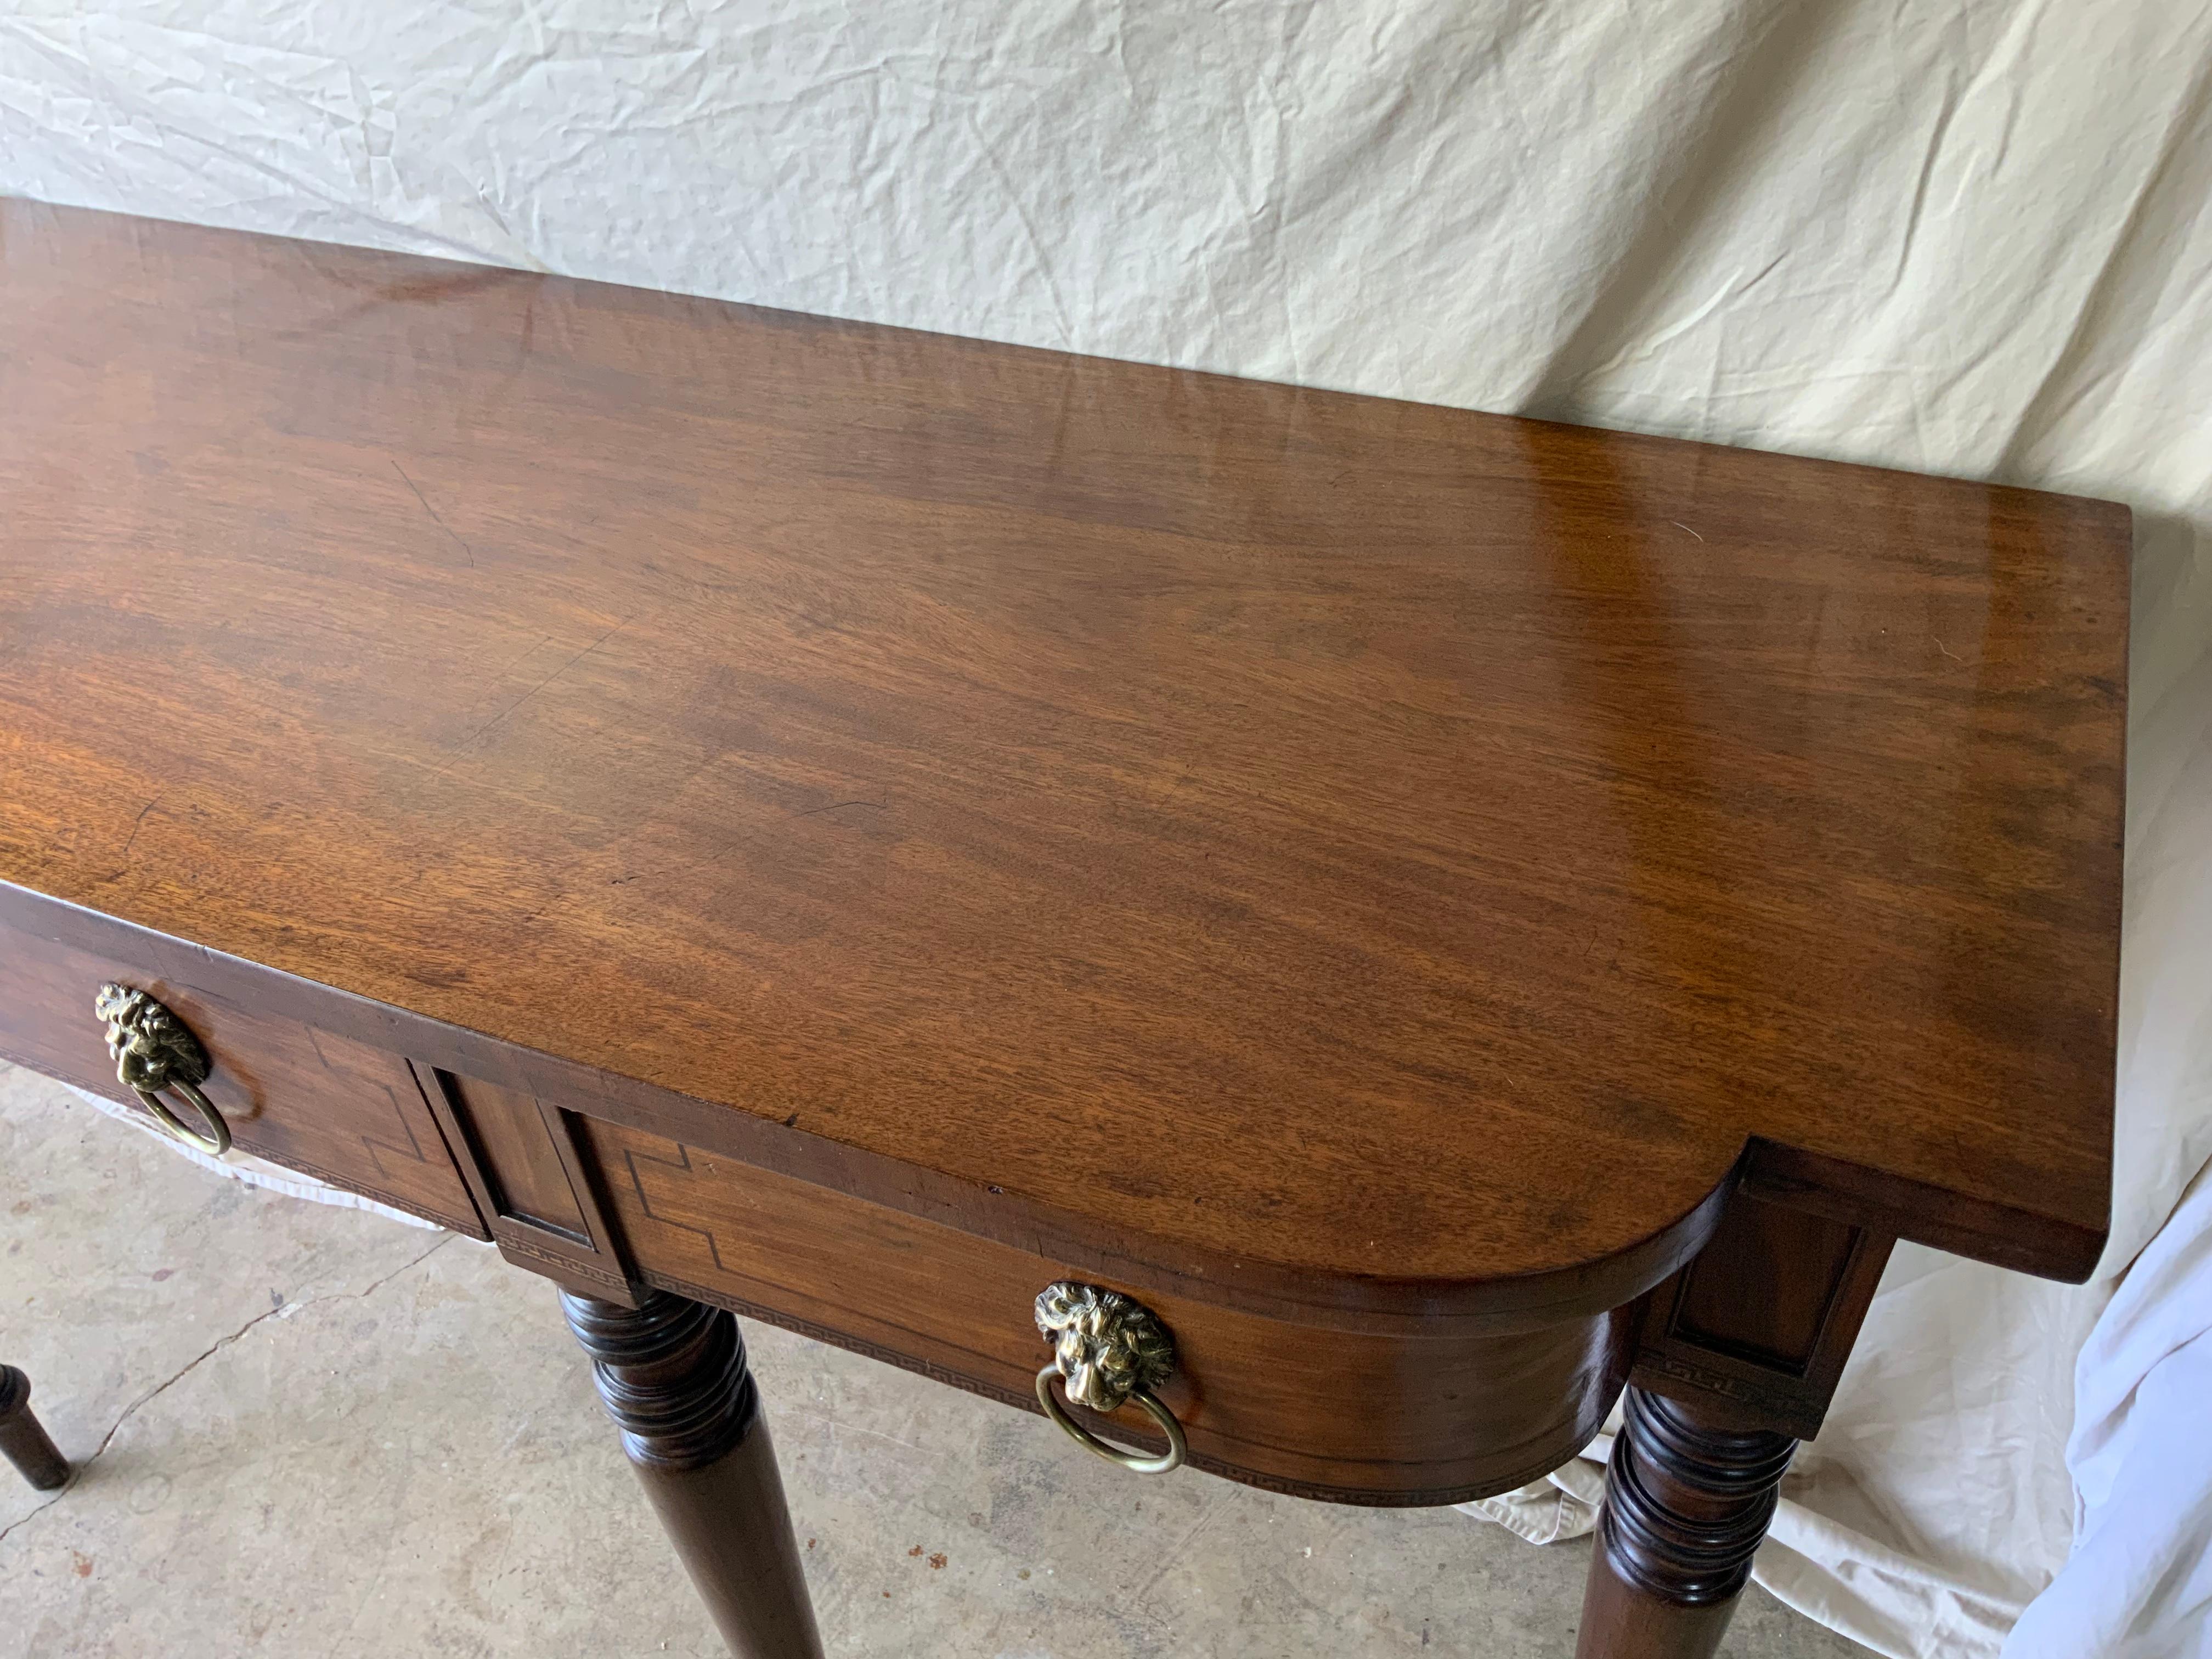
(1376, 926)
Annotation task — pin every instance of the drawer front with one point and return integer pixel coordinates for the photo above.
(307, 1098)
(1350, 1416)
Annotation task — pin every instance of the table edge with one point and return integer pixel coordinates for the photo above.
(1979, 1229)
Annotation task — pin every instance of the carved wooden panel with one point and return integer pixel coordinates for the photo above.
(529, 1180)
(305, 1097)
(1765, 1316)
(520, 1157)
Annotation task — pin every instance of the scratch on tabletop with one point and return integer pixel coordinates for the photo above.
(432, 511)
(139, 821)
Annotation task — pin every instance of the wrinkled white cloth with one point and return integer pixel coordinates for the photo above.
(2139, 1585)
(1957, 236)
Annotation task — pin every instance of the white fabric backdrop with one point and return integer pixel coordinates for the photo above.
(1960, 236)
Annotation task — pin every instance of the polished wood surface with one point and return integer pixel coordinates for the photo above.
(1410, 854)
(1299, 1398)
(610, 1192)
(757, 813)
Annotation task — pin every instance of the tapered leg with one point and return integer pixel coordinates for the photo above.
(672, 1374)
(23, 1439)
(1686, 1503)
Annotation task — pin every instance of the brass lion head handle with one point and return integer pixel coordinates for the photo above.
(155, 1051)
(152, 1047)
(1108, 1350)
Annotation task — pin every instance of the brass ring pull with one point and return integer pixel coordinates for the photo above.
(213, 1139)
(1108, 1349)
(155, 1052)
(1178, 1448)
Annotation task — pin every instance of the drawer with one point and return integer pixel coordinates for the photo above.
(301, 1096)
(1268, 1401)
(1346, 1415)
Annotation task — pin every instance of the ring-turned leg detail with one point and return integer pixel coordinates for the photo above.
(671, 1372)
(1687, 1502)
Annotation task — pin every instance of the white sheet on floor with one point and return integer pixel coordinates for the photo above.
(1960, 236)
(2141, 1578)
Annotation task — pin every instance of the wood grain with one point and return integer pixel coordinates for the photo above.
(1090, 1243)
(1402, 852)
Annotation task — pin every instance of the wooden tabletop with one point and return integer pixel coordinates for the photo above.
(1408, 849)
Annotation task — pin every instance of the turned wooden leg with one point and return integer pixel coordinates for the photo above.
(672, 1374)
(1686, 1503)
(23, 1439)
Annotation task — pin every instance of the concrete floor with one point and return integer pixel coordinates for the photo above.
(309, 1431)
